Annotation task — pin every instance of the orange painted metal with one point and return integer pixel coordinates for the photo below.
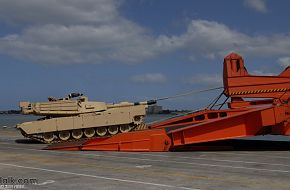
(139, 141)
(239, 83)
(196, 118)
(247, 123)
(242, 119)
(143, 141)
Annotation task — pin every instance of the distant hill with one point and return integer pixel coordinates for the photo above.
(10, 112)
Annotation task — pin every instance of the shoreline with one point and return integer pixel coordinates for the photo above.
(8, 112)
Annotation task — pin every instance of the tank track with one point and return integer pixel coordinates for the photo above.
(39, 138)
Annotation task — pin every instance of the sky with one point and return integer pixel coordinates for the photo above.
(135, 50)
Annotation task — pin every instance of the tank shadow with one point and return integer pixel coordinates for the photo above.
(225, 145)
(27, 141)
(238, 145)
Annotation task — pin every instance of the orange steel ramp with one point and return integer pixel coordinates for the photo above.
(155, 140)
(248, 123)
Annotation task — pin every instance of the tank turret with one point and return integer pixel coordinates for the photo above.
(62, 107)
(75, 117)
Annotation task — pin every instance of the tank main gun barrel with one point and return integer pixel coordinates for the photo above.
(149, 102)
(125, 104)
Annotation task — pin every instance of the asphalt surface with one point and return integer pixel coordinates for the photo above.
(205, 170)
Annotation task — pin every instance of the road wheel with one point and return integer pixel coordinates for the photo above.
(101, 131)
(90, 132)
(48, 137)
(125, 128)
(77, 133)
(113, 130)
(64, 135)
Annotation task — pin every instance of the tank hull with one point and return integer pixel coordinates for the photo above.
(131, 117)
(75, 117)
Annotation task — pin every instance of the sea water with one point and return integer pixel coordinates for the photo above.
(10, 120)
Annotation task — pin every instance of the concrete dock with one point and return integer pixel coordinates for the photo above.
(266, 168)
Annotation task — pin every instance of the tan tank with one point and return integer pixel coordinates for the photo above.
(74, 118)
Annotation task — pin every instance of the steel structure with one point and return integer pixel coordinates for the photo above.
(270, 114)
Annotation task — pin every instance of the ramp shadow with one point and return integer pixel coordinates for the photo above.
(238, 145)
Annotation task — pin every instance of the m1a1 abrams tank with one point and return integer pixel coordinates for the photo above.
(74, 118)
